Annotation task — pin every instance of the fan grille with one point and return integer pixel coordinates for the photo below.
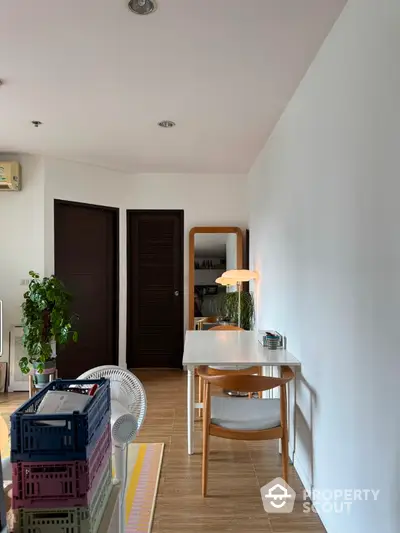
(126, 388)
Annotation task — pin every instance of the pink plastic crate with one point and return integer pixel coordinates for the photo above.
(38, 485)
(68, 519)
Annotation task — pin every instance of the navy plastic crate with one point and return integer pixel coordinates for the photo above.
(34, 440)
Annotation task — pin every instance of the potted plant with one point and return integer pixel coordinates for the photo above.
(47, 323)
(227, 307)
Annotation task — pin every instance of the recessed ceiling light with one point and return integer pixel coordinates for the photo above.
(166, 124)
(142, 7)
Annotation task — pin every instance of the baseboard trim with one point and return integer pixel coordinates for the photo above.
(291, 455)
(302, 473)
(308, 484)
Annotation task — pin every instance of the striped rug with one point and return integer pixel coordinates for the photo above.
(144, 466)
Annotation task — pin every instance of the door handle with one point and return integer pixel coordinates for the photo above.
(176, 293)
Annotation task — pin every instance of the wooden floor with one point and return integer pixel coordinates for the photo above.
(237, 470)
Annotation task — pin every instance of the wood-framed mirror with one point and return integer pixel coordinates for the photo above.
(212, 251)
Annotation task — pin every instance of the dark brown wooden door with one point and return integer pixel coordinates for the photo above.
(155, 289)
(86, 260)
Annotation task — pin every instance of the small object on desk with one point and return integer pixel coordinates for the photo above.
(272, 340)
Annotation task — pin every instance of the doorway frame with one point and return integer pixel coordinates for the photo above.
(129, 284)
(116, 213)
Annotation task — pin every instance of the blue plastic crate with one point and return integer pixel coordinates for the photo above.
(33, 440)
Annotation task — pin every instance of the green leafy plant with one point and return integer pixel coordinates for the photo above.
(227, 307)
(46, 320)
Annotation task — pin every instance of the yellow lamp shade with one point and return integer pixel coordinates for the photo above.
(240, 275)
(225, 281)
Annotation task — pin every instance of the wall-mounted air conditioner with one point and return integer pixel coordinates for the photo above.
(10, 176)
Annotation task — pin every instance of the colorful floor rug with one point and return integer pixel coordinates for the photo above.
(144, 467)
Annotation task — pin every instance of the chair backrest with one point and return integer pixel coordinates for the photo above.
(225, 328)
(246, 383)
(211, 319)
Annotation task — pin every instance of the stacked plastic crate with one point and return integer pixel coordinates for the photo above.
(62, 463)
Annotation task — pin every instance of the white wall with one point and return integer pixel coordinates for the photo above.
(21, 238)
(324, 227)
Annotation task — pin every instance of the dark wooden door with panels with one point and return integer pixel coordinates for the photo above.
(86, 254)
(155, 329)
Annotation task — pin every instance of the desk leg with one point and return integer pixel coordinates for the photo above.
(190, 409)
(291, 417)
(268, 372)
(292, 393)
(291, 407)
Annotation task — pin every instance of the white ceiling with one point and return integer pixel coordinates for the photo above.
(100, 78)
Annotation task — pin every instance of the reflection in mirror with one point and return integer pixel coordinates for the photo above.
(212, 254)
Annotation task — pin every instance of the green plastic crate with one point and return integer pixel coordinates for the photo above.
(70, 519)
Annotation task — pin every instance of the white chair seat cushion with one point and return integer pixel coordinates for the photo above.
(245, 414)
(232, 367)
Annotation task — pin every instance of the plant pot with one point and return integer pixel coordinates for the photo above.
(41, 380)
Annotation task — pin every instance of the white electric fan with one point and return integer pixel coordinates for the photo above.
(128, 409)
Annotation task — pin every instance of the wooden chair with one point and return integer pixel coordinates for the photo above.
(212, 320)
(223, 371)
(243, 419)
(226, 328)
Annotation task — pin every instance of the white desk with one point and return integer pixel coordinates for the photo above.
(231, 348)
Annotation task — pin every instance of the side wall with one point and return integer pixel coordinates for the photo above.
(21, 238)
(324, 227)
